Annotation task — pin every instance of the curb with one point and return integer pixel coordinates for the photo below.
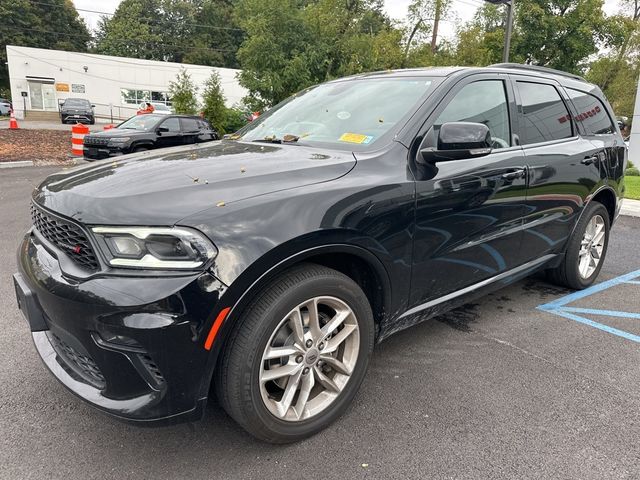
(22, 163)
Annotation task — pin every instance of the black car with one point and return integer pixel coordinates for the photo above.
(266, 266)
(77, 110)
(146, 132)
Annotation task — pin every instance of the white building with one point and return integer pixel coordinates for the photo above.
(40, 79)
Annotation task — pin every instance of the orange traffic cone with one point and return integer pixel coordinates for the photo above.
(13, 123)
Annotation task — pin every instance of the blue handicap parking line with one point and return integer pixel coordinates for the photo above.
(561, 306)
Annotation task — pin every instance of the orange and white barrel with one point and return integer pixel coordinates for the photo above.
(78, 131)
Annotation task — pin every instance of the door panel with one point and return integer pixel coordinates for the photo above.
(174, 136)
(469, 212)
(563, 166)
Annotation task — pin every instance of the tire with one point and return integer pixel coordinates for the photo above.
(139, 149)
(92, 121)
(568, 273)
(248, 400)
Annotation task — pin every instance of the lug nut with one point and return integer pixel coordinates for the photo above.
(299, 359)
(319, 364)
(305, 371)
(321, 346)
(309, 343)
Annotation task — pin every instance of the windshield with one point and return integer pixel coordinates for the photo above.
(341, 114)
(76, 102)
(140, 122)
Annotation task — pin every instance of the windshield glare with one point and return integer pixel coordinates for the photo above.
(346, 113)
(76, 102)
(140, 122)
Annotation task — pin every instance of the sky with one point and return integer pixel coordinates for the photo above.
(461, 12)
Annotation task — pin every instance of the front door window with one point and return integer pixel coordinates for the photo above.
(35, 95)
(42, 96)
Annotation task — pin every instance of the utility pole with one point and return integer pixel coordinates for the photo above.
(509, 26)
(507, 35)
(436, 20)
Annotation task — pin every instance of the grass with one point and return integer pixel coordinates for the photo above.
(632, 187)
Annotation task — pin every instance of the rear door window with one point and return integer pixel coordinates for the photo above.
(544, 116)
(484, 101)
(591, 113)
(190, 125)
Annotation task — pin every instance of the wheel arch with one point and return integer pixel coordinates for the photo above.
(607, 197)
(356, 262)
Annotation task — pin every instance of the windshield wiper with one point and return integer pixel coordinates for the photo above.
(288, 138)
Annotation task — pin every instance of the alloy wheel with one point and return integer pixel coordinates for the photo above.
(591, 247)
(309, 358)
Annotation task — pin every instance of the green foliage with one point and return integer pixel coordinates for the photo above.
(559, 33)
(183, 93)
(235, 119)
(632, 172)
(181, 31)
(213, 107)
(51, 24)
(292, 44)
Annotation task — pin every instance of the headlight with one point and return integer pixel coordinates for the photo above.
(155, 247)
(119, 139)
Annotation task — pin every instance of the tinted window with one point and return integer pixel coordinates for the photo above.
(481, 102)
(544, 115)
(591, 113)
(190, 125)
(173, 124)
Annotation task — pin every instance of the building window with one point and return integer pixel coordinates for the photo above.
(136, 97)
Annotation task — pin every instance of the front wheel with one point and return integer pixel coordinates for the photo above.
(586, 249)
(299, 356)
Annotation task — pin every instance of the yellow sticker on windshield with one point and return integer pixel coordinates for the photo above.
(355, 138)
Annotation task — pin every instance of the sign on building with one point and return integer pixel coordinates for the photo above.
(62, 87)
(77, 88)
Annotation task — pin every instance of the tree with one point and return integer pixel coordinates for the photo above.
(180, 31)
(183, 93)
(616, 72)
(214, 108)
(52, 24)
(292, 44)
(559, 34)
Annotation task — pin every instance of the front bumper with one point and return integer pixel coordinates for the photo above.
(101, 152)
(131, 346)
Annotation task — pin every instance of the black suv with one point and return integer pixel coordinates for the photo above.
(266, 266)
(77, 110)
(146, 132)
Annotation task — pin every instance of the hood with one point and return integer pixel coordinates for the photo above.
(118, 132)
(163, 186)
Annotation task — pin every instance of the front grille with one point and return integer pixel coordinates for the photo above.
(79, 363)
(66, 236)
(88, 140)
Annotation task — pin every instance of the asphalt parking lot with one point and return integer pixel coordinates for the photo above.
(525, 383)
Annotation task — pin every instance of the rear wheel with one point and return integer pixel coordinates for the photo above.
(139, 149)
(586, 249)
(299, 356)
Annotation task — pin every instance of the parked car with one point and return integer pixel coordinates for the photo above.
(77, 110)
(146, 132)
(267, 266)
(161, 109)
(5, 106)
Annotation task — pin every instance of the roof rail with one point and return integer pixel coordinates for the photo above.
(536, 68)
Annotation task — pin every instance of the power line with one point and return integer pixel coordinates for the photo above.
(216, 27)
(128, 41)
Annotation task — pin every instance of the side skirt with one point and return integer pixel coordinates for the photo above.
(455, 299)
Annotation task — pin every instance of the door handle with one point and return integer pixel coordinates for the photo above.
(590, 160)
(514, 175)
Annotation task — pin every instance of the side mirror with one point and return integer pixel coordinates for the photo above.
(93, 106)
(161, 130)
(458, 141)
